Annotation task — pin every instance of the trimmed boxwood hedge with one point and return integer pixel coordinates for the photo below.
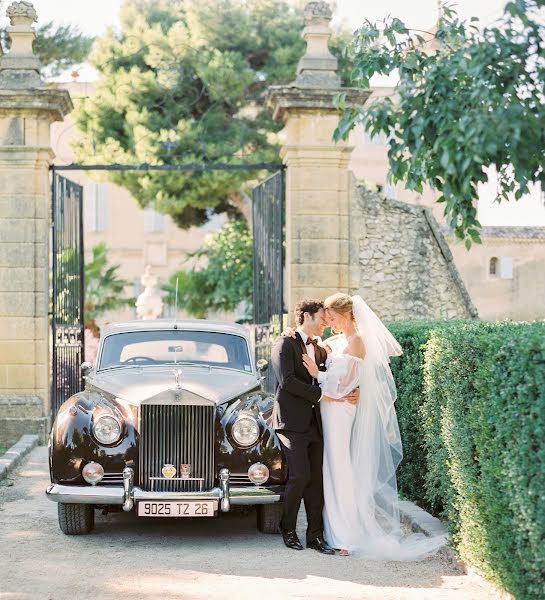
(471, 409)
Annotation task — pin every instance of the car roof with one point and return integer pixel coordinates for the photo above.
(182, 324)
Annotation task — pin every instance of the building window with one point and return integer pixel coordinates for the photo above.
(95, 203)
(493, 267)
(153, 221)
(501, 267)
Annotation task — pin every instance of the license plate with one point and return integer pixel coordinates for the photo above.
(176, 509)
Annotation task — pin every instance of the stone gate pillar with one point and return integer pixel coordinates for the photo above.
(27, 109)
(317, 182)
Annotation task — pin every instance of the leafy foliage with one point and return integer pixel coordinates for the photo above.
(467, 100)
(184, 82)
(104, 289)
(58, 47)
(222, 275)
(477, 429)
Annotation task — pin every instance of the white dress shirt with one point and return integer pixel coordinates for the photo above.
(310, 351)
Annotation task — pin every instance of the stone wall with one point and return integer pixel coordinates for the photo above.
(401, 263)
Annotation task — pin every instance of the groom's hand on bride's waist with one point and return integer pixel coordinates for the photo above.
(352, 397)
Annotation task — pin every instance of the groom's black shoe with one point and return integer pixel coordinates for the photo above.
(320, 546)
(290, 539)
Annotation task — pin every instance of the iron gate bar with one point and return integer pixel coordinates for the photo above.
(268, 238)
(67, 319)
(188, 167)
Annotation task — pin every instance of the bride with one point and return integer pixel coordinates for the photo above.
(362, 444)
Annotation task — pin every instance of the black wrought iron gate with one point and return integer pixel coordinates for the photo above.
(268, 237)
(67, 287)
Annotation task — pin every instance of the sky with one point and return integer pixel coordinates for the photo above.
(95, 17)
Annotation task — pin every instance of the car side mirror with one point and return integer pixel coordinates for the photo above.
(262, 365)
(86, 367)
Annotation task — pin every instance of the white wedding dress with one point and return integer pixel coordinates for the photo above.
(362, 449)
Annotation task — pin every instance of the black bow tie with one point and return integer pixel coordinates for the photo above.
(311, 341)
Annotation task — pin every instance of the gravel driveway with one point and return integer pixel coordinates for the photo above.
(131, 558)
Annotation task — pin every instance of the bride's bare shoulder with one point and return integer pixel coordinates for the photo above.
(356, 346)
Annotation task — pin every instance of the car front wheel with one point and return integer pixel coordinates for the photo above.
(268, 517)
(76, 519)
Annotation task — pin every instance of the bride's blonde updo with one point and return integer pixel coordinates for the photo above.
(340, 303)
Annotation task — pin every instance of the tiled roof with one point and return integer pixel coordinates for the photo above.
(507, 232)
(526, 233)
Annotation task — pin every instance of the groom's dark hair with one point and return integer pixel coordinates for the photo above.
(309, 306)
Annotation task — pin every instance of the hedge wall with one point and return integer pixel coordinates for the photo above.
(471, 409)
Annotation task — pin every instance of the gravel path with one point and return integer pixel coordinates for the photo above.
(209, 559)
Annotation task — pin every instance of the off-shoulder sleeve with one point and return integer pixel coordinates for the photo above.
(342, 376)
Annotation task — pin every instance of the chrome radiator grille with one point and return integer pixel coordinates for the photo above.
(176, 435)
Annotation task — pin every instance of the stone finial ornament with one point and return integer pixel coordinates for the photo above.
(317, 12)
(318, 67)
(20, 67)
(20, 13)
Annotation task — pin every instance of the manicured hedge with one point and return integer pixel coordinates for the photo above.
(471, 408)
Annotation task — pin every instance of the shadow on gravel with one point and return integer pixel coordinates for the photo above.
(134, 558)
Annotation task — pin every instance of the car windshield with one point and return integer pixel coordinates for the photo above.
(141, 348)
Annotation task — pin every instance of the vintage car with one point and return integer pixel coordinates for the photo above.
(173, 422)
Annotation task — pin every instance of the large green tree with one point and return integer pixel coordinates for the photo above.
(468, 99)
(184, 82)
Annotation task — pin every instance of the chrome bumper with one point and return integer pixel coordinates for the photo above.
(129, 494)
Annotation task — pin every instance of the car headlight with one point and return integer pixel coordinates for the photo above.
(245, 431)
(107, 429)
(93, 472)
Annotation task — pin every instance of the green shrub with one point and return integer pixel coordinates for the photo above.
(471, 402)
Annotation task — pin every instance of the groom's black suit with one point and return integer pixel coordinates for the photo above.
(296, 419)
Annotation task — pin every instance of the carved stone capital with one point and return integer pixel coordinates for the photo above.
(284, 100)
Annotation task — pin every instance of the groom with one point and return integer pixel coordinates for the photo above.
(297, 422)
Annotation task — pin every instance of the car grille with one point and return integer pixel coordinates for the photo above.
(175, 435)
(111, 479)
(239, 479)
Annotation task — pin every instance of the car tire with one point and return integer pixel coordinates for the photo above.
(268, 517)
(76, 519)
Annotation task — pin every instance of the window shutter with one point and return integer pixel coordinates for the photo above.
(101, 207)
(153, 221)
(506, 267)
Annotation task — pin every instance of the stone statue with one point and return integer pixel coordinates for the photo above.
(149, 304)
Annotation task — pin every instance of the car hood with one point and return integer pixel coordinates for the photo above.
(138, 384)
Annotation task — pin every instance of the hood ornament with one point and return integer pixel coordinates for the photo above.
(177, 375)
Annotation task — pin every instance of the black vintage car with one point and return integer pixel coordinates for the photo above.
(173, 422)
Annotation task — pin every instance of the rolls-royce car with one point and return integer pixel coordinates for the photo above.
(173, 422)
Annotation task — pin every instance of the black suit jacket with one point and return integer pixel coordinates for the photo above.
(296, 396)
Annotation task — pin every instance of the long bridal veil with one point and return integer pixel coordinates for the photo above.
(376, 449)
